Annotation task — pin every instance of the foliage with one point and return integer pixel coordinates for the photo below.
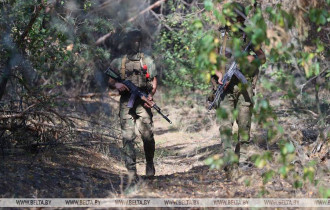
(284, 57)
(177, 45)
(48, 47)
(55, 40)
(59, 44)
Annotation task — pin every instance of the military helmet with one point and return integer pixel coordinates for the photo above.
(133, 34)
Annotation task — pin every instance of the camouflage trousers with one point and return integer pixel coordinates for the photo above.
(139, 118)
(236, 106)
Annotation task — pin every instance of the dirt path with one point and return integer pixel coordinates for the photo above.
(97, 171)
(177, 151)
(181, 171)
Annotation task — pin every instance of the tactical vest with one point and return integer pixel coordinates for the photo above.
(248, 70)
(133, 70)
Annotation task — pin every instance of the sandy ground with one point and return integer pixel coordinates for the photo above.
(96, 170)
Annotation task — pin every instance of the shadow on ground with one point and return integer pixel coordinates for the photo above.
(63, 172)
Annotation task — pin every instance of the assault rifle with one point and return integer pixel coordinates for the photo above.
(233, 70)
(135, 92)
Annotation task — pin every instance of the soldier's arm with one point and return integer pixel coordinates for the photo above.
(219, 74)
(153, 91)
(260, 55)
(113, 84)
(154, 86)
(153, 76)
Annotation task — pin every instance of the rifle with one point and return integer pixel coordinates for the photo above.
(233, 70)
(135, 92)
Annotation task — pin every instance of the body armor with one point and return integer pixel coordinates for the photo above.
(132, 69)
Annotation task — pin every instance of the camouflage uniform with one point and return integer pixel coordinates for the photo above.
(137, 117)
(238, 98)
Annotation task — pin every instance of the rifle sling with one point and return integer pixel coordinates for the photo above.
(123, 67)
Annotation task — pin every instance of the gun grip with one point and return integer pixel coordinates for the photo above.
(131, 100)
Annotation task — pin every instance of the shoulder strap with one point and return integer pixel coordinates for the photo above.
(123, 67)
(142, 59)
(223, 52)
(142, 62)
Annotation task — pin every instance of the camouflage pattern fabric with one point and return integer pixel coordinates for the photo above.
(238, 99)
(130, 119)
(138, 117)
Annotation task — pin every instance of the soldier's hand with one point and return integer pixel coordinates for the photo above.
(220, 76)
(150, 97)
(147, 106)
(121, 87)
(250, 58)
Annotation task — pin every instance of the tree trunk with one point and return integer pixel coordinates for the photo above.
(4, 78)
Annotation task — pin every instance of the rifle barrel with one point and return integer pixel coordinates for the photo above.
(158, 110)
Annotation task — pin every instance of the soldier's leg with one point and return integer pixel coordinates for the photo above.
(127, 123)
(145, 126)
(245, 106)
(226, 124)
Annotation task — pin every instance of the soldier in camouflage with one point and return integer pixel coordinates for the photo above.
(140, 70)
(238, 97)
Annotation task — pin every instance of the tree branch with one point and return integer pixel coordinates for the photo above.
(156, 4)
(162, 22)
(31, 22)
(310, 80)
(103, 38)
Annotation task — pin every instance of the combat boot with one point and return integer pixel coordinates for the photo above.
(231, 172)
(132, 176)
(150, 169)
(133, 180)
(244, 159)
